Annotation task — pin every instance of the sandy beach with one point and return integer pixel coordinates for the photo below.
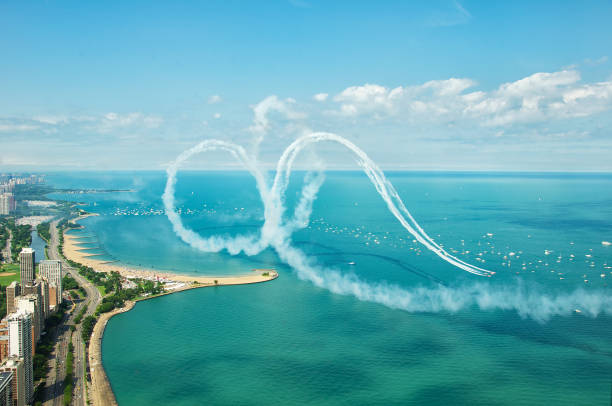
(73, 251)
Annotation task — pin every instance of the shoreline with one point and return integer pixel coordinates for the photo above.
(101, 392)
(100, 389)
(73, 251)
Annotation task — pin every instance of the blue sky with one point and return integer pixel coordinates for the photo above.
(418, 85)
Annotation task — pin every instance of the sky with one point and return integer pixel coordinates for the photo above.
(437, 85)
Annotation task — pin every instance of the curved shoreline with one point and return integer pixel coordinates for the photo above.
(73, 251)
(101, 392)
(100, 389)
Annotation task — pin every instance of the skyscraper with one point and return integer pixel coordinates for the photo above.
(26, 265)
(6, 386)
(12, 291)
(51, 270)
(36, 289)
(31, 304)
(20, 345)
(7, 203)
(15, 366)
(44, 290)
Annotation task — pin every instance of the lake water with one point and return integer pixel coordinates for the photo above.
(522, 337)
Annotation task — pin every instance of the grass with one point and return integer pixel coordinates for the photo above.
(101, 289)
(5, 274)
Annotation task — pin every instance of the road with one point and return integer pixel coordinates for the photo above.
(54, 387)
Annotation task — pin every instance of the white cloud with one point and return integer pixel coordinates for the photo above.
(10, 127)
(539, 83)
(535, 98)
(217, 115)
(261, 122)
(51, 119)
(320, 97)
(214, 99)
(114, 121)
(448, 87)
(367, 98)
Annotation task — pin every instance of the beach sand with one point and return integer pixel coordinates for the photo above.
(73, 251)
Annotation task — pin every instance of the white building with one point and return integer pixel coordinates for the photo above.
(20, 345)
(26, 265)
(7, 204)
(30, 304)
(51, 271)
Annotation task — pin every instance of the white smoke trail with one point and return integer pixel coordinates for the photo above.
(276, 233)
(248, 244)
(301, 215)
(382, 185)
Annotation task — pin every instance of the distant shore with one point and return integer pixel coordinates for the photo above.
(101, 392)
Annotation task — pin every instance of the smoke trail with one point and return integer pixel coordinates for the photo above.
(382, 185)
(528, 303)
(276, 233)
(248, 244)
(303, 210)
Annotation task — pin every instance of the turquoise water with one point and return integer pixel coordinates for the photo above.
(289, 342)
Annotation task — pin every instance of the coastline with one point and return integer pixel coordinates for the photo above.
(101, 392)
(100, 389)
(74, 252)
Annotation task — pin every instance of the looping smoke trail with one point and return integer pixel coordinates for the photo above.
(248, 244)
(276, 233)
(382, 185)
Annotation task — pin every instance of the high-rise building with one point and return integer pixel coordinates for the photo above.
(4, 347)
(26, 265)
(4, 339)
(12, 291)
(30, 304)
(52, 297)
(4, 205)
(16, 367)
(44, 290)
(51, 270)
(6, 386)
(38, 288)
(20, 345)
(7, 204)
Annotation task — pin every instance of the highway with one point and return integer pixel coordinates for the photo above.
(54, 386)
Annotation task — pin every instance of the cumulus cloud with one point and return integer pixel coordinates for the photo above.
(261, 111)
(535, 98)
(320, 97)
